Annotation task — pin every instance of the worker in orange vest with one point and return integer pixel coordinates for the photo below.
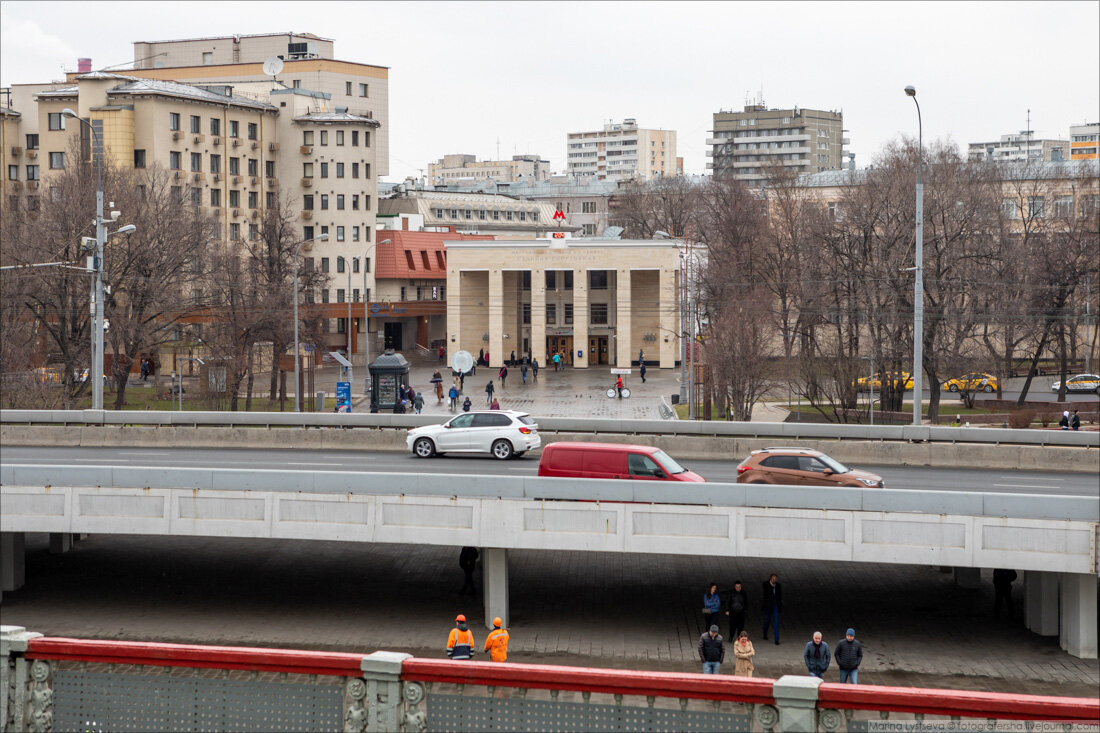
(497, 642)
(460, 644)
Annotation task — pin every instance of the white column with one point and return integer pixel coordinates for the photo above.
(494, 584)
(580, 318)
(60, 542)
(454, 315)
(1078, 622)
(496, 318)
(623, 311)
(1041, 602)
(968, 577)
(538, 315)
(668, 305)
(12, 567)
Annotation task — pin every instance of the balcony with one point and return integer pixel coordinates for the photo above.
(717, 141)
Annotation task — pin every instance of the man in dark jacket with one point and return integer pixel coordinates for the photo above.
(1002, 591)
(711, 650)
(772, 604)
(738, 604)
(467, 560)
(849, 653)
(816, 656)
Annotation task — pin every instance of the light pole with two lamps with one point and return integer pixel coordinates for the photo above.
(918, 271)
(297, 359)
(366, 317)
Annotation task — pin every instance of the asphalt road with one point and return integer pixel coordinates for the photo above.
(896, 477)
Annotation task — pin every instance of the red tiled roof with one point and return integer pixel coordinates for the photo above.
(414, 255)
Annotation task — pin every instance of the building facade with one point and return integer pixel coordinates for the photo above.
(594, 302)
(1084, 143)
(622, 151)
(467, 169)
(474, 212)
(746, 144)
(1022, 146)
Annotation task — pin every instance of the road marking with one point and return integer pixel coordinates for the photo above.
(1045, 478)
(1024, 486)
(141, 453)
(121, 460)
(291, 463)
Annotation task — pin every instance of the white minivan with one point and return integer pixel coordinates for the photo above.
(503, 433)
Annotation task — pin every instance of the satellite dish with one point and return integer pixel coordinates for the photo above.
(462, 361)
(273, 66)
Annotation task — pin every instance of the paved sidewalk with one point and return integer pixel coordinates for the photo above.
(583, 608)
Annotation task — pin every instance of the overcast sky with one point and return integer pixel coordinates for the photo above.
(463, 74)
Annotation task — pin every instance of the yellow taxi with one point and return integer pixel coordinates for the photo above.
(48, 375)
(876, 383)
(973, 382)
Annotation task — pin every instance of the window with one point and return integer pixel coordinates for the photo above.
(207, 58)
(363, 89)
(324, 264)
(296, 83)
(355, 291)
(339, 137)
(32, 141)
(339, 170)
(551, 313)
(409, 260)
(366, 202)
(568, 313)
(234, 198)
(508, 215)
(481, 214)
(307, 233)
(324, 170)
(196, 161)
(1035, 206)
(525, 280)
(307, 137)
(588, 207)
(527, 314)
(253, 130)
(215, 126)
(355, 202)
(215, 197)
(324, 137)
(355, 238)
(1090, 204)
(454, 213)
(196, 197)
(551, 280)
(269, 168)
(13, 172)
(307, 202)
(354, 137)
(139, 158)
(307, 170)
(589, 230)
(215, 163)
(253, 167)
(196, 124)
(234, 166)
(324, 299)
(347, 88)
(1063, 206)
(57, 160)
(324, 202)
(173, 121)
(354, 170)
(366, 144)
(567, 276)
(174, 160)
(355, 264)
(366, 170)
(597, 279)
(1008, 208)
(339, 264)
(339, 202)
(468, 214)
(597, 314)
(339, 234)
(253, 200)
(234, 232)
(234, 128)
(272, 202)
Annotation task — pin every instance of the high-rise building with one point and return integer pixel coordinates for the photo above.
(622, 151)
(1021, 146)
(460, 169)
(1083, 141)
(747, 145)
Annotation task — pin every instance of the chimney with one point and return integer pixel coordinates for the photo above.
(83, 65)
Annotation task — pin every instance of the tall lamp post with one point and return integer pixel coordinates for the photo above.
(918, 271)
(95, 373)
(297, 261)
(366, 317)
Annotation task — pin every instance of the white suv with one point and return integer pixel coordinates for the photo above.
(504, 433)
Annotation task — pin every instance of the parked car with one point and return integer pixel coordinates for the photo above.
(973, 382)
(1080, 383)
(801, 467)
(612, 460)
(876, 383)
(501, 433)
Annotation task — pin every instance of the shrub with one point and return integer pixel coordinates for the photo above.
(1019, 419)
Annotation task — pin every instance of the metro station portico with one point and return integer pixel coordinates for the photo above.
(595, 301)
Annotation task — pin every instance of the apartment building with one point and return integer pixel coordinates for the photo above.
(463, 169)
(1020, 146)
(622, 151)
(1084, 141)
(747, 144)
(234, 140)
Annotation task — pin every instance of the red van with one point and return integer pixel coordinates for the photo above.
(611, 460)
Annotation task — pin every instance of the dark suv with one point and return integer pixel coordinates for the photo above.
(801, 467)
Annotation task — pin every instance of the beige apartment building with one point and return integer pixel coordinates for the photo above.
(1020, 146)
(746, 144)
(467, 169)
(622, 151)
(234, 140)
(595, 302)
(1085, 141)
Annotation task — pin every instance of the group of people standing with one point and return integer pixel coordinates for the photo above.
(734, 604)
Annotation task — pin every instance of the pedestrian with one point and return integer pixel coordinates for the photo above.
(496, 643)
(495, 405)
(466, 404)
(772, 604)
(442, 353)
(849, 653)
(399, 407)
(712, 604)
(1075, 421)
(481, 357)
(503, 374)
(1064, 422)
(641, 355)
(418, 402)
(460, 644)
(641, 370)
(402, 391)
(489, 388)
(512, 358)
(453, 394)
(467, 560)
(1002, 591)
(144, 370)
(712, 650)
(743, 652)
(738, 605)
(462, 381)
(438, 381)
(557, 361)
(619, 386)
(816, 656)
(535, 369)
(523, 371)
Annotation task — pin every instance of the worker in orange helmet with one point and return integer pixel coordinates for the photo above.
(497, 642)
(460, 644)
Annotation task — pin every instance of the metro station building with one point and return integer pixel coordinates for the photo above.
(595, 301)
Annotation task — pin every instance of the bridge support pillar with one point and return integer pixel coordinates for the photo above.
(796, 700)
(494, 584)
(968, 577)
(12, 568)
(1041, 602)
(60, 542)
(1078, 622)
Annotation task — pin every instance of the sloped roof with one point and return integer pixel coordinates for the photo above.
(336, 117)
(391, 262)
(186, 91)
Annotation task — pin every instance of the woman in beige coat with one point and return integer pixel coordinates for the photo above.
(743, 651)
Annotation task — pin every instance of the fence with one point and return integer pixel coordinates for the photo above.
(87, 685)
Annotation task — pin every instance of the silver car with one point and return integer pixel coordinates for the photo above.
(1080, 383)
(501, 433)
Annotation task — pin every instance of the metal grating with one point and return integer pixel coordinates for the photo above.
(93, 701)
(479, 714)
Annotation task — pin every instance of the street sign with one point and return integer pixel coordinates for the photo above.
(340, 359)
(620, 371)
(343, 396)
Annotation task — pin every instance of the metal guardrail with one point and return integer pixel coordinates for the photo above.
(964, 503)
(595, 426)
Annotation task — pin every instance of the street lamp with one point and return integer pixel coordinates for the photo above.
(297, 260)
(918, 280)
(95, 373)
(366, 318)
